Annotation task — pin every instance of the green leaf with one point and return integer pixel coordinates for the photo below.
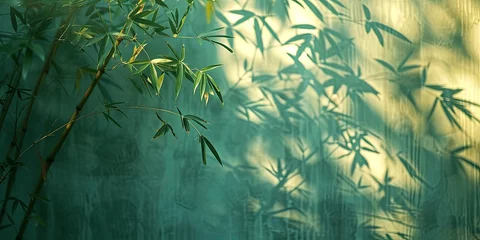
(159, 83)
(161, 131)
(109, 118)
(161, 3)
(153, 73)
(141, 69)
(13, 19)
(315, 10)
(379, 35)
(258, 35)
(366, 11)
(211, 67)
(204, 34)
(182, 56)
(270, 29)
(215, 87)
(329, 7)
(172, 27)
(262, 78)
(404, 61)
(101, 52)
(213, 150)
(390, 31)
(195, 118)
(204, 152)
(180, 75)
(95, 39)
(186, 124)
(173, 51)
(204, 85)
(198, 78)
(386, 65)
(246, 16)
(298, 37)
(223, 45)
(304, 26)
(146, 22)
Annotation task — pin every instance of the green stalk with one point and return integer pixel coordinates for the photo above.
(51, 157)
(14, 83)
(17, 141)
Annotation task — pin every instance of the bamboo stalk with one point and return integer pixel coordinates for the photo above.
(51, 157)
(14, 83)
(17, 141)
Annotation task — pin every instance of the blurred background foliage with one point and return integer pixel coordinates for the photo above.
(341, 120)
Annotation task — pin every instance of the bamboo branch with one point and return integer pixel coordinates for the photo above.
(51, 157)
(17, 141)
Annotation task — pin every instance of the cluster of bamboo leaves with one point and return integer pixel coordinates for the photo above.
(102, 28)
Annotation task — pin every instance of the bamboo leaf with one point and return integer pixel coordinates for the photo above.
(161, 3)
(386, 65)
(182, 55)
(390, 30)
(270, 29)
(198, 78)
(109, 118)
(366, 11)
(160, 82)
(161, 131)
(258, 35)
(304, 26)
(223, 45)
(211, 67)
(315, 10)
(204, 152)
(379, 35)
(13, 19)
(213, 150)
(180, 76)
(329, 7)
(146, 22)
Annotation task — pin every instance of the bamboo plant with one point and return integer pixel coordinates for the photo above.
(84, 24)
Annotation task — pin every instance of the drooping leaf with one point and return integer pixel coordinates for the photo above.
(270, 29)
(366, 11)
(109, 118)
(315, 10)
(179, 79)
(13, 19)
(258, 35)
(379, 35)
(204, 151)
(161, 131)
(213, 150)
(393, 32)
(159, 82)
(386, 65)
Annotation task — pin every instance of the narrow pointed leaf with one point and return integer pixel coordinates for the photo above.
(213, 150)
